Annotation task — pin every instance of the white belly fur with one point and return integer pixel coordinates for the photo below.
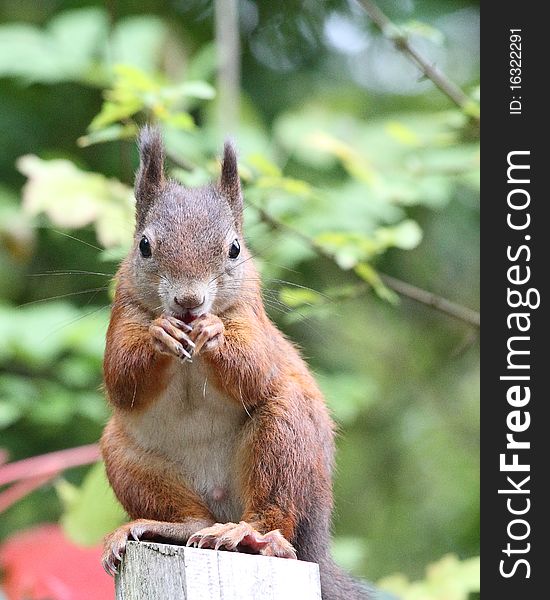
(195, 426)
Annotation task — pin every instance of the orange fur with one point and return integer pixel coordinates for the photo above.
(146, 485)
(258, 368)
(242, 435)
(132, 369)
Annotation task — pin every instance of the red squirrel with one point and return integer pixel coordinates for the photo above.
(220, 436)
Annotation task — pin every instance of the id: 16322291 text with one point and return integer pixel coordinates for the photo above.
(515, 71)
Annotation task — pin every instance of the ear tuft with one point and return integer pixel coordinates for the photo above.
(150, 176)
(230, 183)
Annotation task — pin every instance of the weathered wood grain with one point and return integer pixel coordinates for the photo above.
(152, 571)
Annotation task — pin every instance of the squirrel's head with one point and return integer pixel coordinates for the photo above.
(188, 254)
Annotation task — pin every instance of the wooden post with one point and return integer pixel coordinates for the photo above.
(152, 571)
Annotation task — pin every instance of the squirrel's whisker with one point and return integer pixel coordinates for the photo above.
(72, 237)
(68, 272)
(104, 288)
(72, 321)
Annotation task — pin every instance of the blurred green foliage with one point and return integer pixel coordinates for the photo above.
(447, 579)
(345, 176)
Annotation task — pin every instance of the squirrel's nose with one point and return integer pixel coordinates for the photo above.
(190, 301)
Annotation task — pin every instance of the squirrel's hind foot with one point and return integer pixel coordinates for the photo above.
(242, 537)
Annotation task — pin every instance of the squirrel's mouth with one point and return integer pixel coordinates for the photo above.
(186, 316)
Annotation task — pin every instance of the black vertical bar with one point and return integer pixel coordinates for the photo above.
(515, 272)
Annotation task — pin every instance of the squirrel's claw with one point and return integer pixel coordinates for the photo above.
(114, 548)
(115, 542)
(178, 323)
(207, 333)
(109, 567)
(242, 536)
(169, 337)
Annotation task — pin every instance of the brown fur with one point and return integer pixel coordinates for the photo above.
(284, 438)
(133, 370)
(146, 485)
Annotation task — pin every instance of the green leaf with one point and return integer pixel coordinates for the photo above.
(9, 414)
(67, 492)
(92, 405)
(66, 51)
(139, 41)
(202, 64)
(423, 30)
(54, 404)
(294, 187)
(17, 395)
(92, 510)
(112, 112)
(24, 335)
(79, 36)
(197, 89)
(295, 297)
(67, 195)
(108, 134)
(447, 579)
(180, 120)
(37, 335)
(263, 165)
(368, 274)
(402, 133)
(472, 109)
(134, 91)
(349, 552)
(405, 235)
(77, 371)
(347, 248)
(348, 395)
(73, 198)
(358, 166)
(113, 255)
(194, 178)
(130, 80)
(25, 53)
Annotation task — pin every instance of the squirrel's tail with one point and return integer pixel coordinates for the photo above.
(312, 544)
(336, 584)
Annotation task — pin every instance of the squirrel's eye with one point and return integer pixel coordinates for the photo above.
(234, 249)
(145, 247)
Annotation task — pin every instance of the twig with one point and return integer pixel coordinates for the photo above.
(226, 13)
(47, 464)
(23, 488)
(402, 288)
(401, 42)
(179, 161)
(443, 305)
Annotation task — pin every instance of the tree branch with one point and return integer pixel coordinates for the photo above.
(48, 464)
(226, 17)
(401, 42)
(179, 161)
(402, 288)
(429, 299)
(23, 488)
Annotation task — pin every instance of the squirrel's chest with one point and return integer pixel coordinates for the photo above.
(197, 429)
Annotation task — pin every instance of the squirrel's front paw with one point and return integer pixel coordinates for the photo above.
(207, 333)
(114, 545)
(171, 336)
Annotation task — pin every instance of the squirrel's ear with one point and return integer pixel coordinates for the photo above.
(150, 176)
(230, 183)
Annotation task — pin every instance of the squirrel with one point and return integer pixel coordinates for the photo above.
(220, 436)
